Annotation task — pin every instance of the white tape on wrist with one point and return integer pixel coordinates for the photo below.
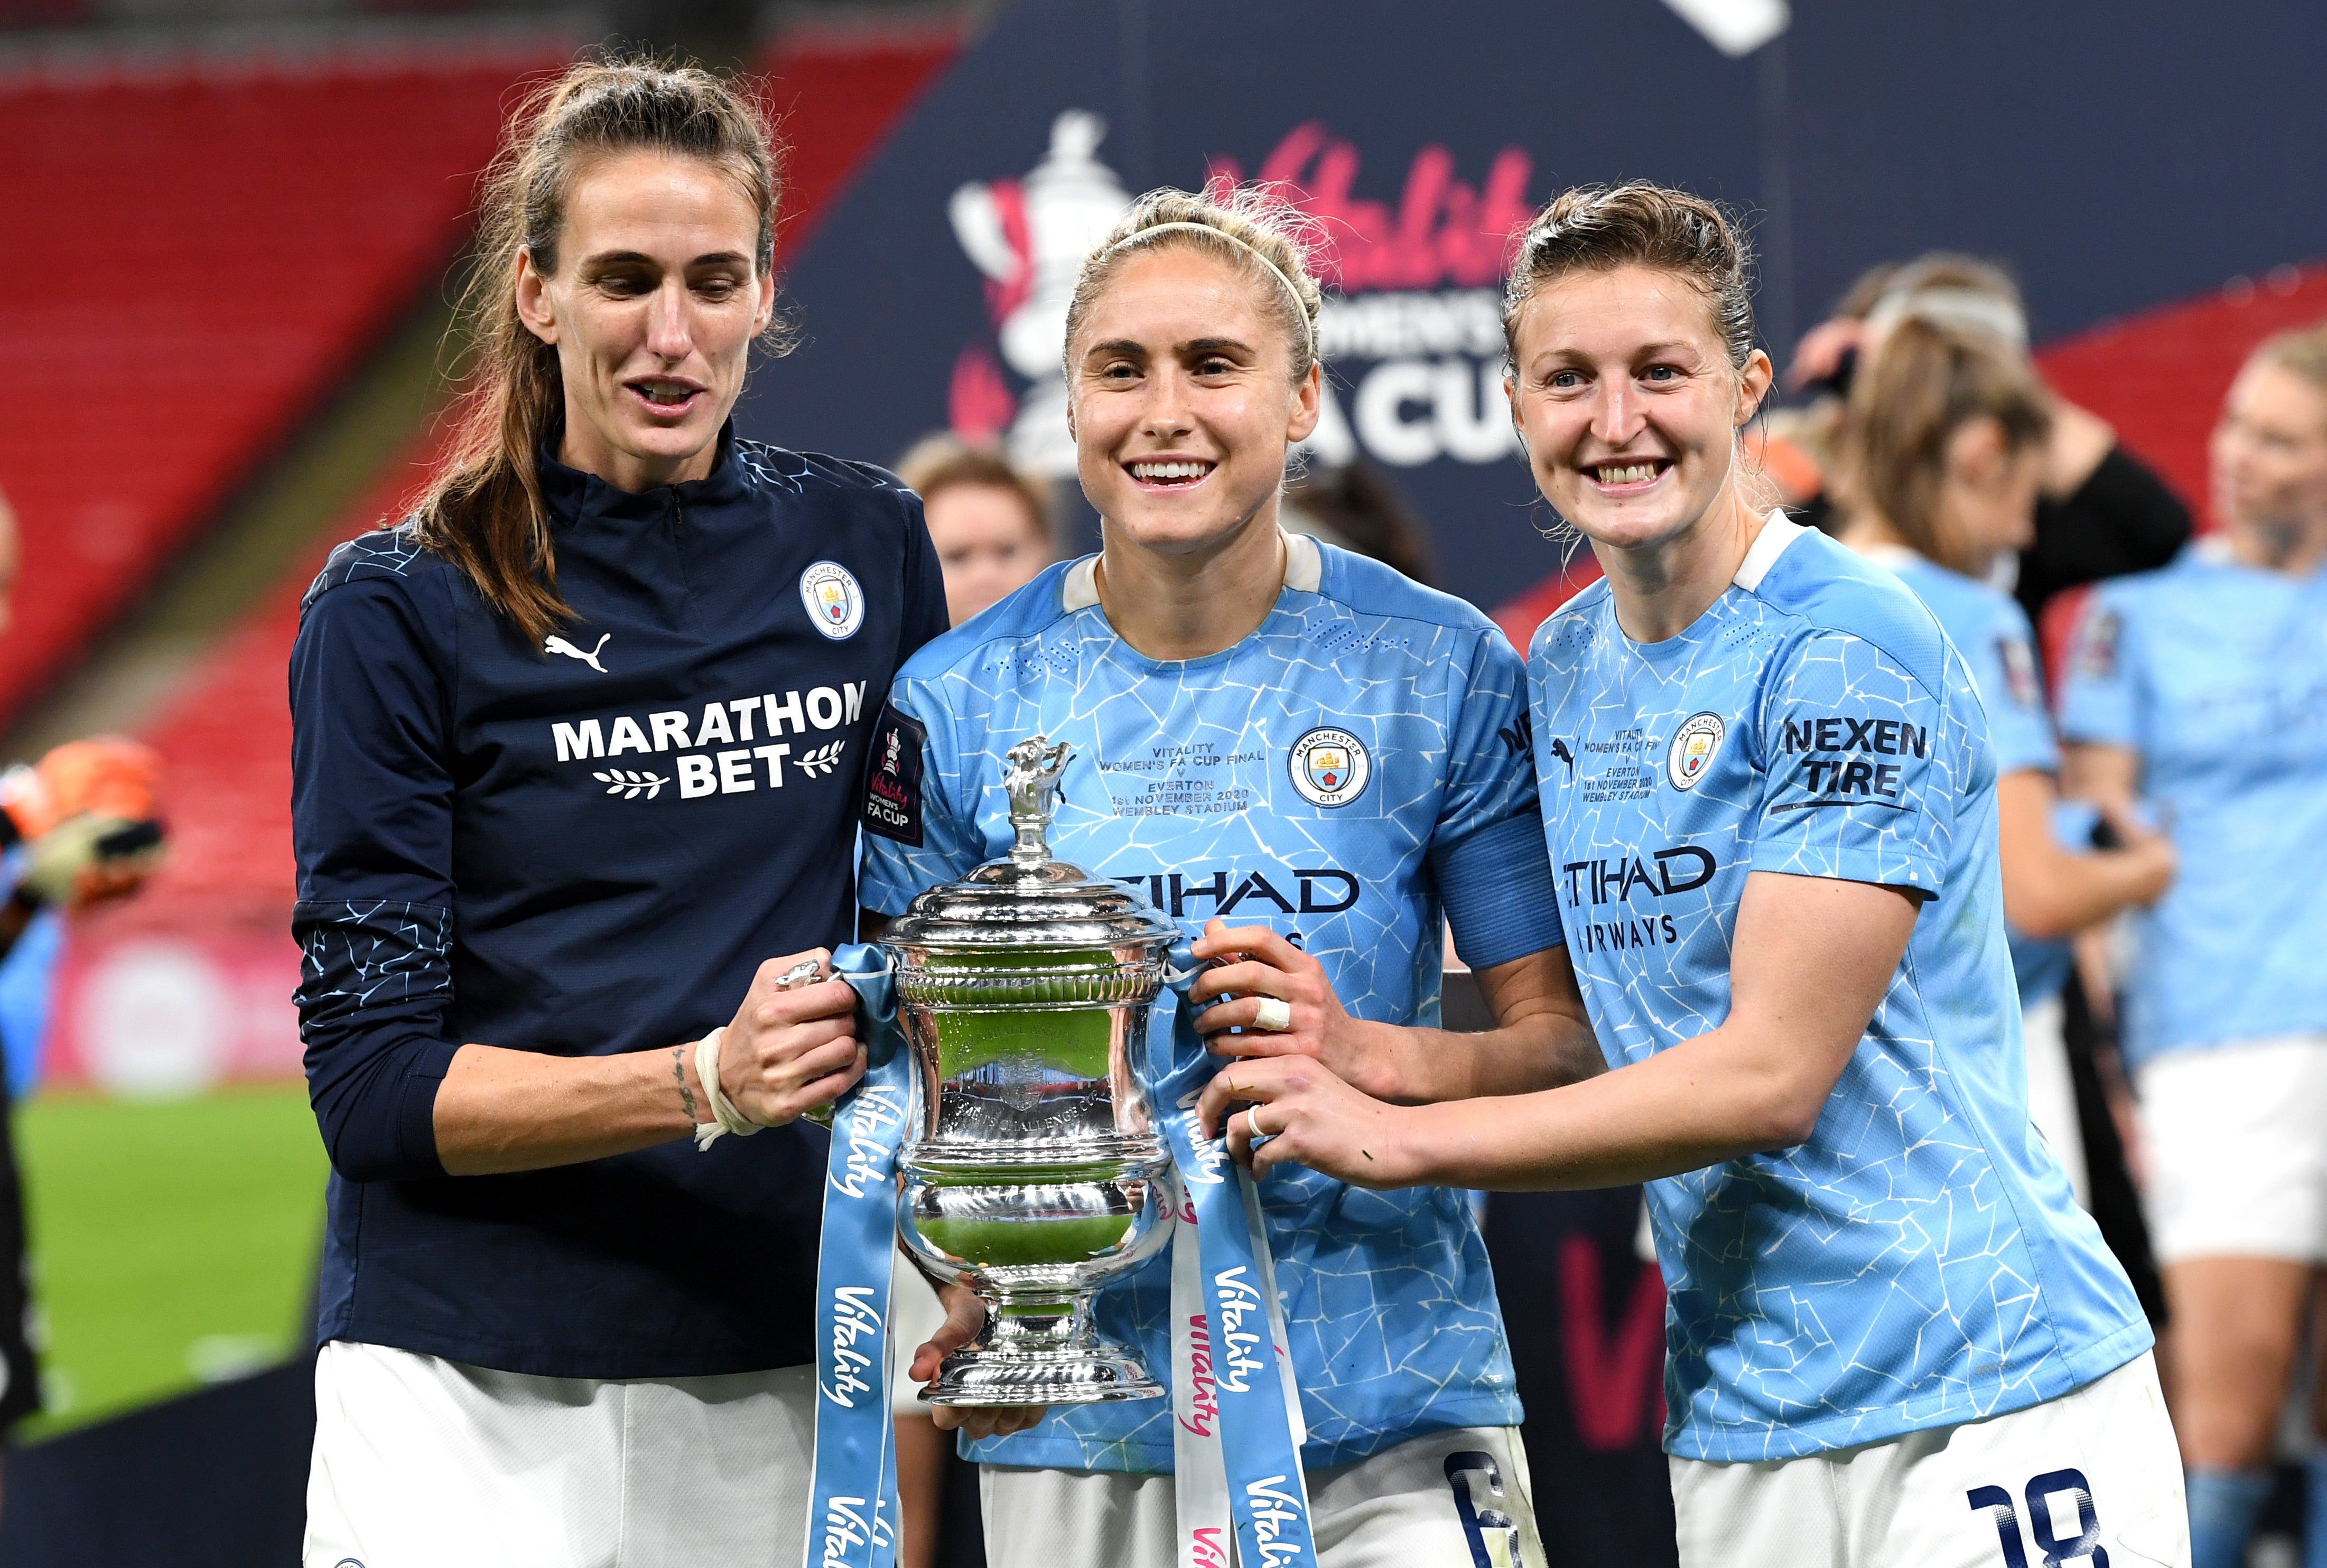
(724, 1117)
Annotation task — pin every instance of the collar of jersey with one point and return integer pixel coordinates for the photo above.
(1777, 533)
(573, 495)
(1304, 573)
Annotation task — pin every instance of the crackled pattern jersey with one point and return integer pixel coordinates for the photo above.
(1992, 632)
(2215, 673)
(1349, 774)
(1918, 1262)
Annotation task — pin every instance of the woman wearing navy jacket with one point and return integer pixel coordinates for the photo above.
(575, 765)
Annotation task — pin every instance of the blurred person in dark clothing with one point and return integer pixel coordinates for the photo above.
(991, 523)
(1359, 509)
(80, 826)
(2101, 512)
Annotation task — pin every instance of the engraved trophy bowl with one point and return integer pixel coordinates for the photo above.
(1035, 1170)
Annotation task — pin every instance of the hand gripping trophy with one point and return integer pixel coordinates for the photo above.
(1035, 1172)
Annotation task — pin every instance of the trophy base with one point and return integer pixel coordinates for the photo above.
(1039, 1354)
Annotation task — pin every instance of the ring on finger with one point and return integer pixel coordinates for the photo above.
(1274, 1017)
(1252, 1123)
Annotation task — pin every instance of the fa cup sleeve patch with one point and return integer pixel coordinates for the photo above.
(893, 778)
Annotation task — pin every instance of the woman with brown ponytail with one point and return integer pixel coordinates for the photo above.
(573, 768)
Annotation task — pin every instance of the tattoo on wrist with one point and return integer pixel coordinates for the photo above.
(678, 1071)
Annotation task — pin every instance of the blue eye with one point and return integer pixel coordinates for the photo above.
(1662, 373)
(1566, 380)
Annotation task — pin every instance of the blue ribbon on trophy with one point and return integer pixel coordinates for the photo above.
(1258, 1426)
(851, 1516)
(1021, 976)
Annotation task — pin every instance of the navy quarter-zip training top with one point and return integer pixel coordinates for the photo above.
(579, 850)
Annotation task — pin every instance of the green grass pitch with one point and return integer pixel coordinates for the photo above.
(173, 1242)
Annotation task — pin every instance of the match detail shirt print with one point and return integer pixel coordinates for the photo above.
(1919, 1261)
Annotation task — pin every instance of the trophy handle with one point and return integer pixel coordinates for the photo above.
(1032, 781)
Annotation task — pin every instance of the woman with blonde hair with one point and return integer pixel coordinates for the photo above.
(1314, 765)
(2202, 690)
(573, 757)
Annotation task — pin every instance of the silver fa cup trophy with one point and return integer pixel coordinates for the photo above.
(1035, 1171)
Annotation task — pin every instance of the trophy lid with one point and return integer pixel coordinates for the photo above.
(1028, 899)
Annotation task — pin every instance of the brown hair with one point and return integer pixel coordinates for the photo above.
(483, 510)
(1927, 383)
(1255, 230)
(941, 463)
(1596, 229)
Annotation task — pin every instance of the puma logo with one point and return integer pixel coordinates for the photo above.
(1559, 750)
(559, 644)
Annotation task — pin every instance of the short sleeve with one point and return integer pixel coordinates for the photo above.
(920, 817)
(1487, 850)
(1864, 766)
(2100, 700)
(2002, 663)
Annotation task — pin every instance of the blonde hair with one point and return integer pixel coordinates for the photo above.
(484, 510)
(1928, 382)
(2301, 350)
(1251, 228)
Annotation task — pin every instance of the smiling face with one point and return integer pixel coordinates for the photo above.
(2270, 451)
(1628, 404)
(1182, 401)
(652, 305)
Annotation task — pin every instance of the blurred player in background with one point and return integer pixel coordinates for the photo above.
(1280, 737)
(82, 826)
(2101, 511)
(1944, 451)
(1767, 785)
(1356, 506)
(2201, 689)
(991, 524)
(573, 755)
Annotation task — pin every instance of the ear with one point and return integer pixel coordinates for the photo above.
(1753, 385)
(767, 311)
(1308, 404)
(533, 306)
(1979, 457)
(1511, 404)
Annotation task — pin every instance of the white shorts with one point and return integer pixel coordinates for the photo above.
(915, 1316)
(423, 1461)
(1395, 1511)
(2096, 1468)
(2237, 1150)
(2052, 1090)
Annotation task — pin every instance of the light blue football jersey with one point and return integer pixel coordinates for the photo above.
(1920, 1262)
(1356, 772)
(2216, 673)
(1992, 632)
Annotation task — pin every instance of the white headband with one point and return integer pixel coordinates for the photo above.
(1300, 305)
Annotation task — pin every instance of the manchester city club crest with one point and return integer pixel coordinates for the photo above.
(1329, 767)
(1693, 746)
(835, 602)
